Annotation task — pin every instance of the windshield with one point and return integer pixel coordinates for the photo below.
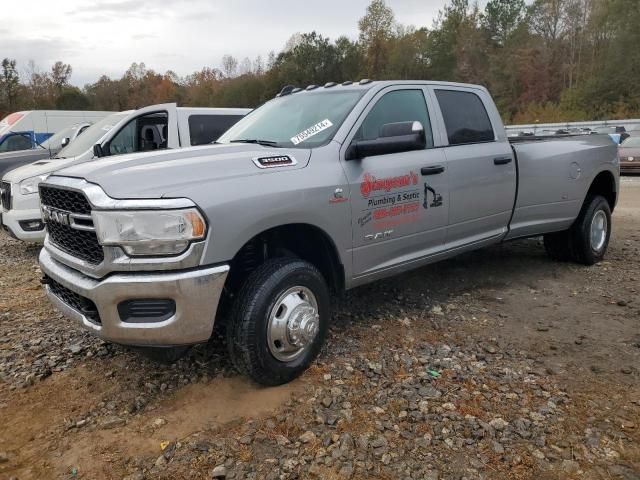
(14, 142)
(90, 136)
(631, 142)
(299, 120)
(55, 140)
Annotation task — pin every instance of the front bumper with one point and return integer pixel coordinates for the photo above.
(11, 221)
(196, 294)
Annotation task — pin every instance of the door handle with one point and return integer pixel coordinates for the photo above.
(436, 169)
(502, 160)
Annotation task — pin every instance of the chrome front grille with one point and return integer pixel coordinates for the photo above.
(61, 205)
(63, 199)
(5, 195)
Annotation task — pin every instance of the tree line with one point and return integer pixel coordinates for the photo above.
(544, 61)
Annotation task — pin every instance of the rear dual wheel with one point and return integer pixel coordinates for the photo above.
(587, 240)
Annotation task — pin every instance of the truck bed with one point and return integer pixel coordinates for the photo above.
(554, 174)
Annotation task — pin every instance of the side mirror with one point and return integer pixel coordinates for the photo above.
(65, 141)
(392, 138)
(98, 151)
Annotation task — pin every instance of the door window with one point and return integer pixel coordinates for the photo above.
(142, 134)
(465, 117)
(393, 107)
(16, 142)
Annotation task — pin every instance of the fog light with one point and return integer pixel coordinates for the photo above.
(31, 225)
(148, 310)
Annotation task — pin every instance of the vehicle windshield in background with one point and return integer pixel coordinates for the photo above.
(14, 142)
(90, 136)
(298, 120)
(631, 142)
(608, 130)
(55, 140)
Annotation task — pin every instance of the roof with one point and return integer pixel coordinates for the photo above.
(367, 84)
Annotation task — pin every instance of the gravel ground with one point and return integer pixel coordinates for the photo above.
(497, 364)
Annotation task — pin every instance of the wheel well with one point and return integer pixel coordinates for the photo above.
(300, 240)
(604, 184)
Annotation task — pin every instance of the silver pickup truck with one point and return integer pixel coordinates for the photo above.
(317, 191)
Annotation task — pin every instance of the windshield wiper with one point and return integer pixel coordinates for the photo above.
(265, 143)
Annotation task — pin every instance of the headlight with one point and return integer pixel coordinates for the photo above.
(149, 232)
(30, 185)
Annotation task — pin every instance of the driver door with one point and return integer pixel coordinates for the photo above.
(147, 129)
(399, 201)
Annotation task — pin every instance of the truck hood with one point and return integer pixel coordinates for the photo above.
(40, 167)
(36, 152)
(155, 174)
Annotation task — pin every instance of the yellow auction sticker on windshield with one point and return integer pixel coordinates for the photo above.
(311, 131)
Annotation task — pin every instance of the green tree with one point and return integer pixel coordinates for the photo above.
(503, 17)
(376, 29)
(60, 75)
(314, 59)
(72, 98)
(350, 59)
(9, 83)
(443, 40)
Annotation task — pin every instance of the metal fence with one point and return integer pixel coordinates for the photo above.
(535, 128)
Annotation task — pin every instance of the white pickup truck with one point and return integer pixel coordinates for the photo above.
(157, 127)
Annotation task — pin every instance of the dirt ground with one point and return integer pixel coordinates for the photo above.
(561, 337)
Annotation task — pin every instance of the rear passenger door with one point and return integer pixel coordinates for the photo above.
(482, 172)
(398, 200)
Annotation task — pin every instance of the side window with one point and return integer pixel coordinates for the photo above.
(16, 142)
(393, 107)
(465, 117)
(142, 134)
(125, 140)
(204, 129)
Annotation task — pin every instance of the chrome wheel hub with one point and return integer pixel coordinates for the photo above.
(599, 228)
(293, 324)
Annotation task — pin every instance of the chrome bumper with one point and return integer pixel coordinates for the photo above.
(196, 294)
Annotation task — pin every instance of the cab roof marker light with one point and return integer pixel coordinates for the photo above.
(330, 84)
(286, 90)
(365, 81)
(347, 83)
(312, 87)
(296, 90)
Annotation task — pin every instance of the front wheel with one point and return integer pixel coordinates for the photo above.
(279, 320)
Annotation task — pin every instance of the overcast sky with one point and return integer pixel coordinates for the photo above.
(106, 36)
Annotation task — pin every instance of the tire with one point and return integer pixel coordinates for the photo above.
(557, 246)
(166, 355)
(586, 248)
(259, 314)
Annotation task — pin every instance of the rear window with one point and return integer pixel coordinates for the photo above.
(204, 129)
(465, 117)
